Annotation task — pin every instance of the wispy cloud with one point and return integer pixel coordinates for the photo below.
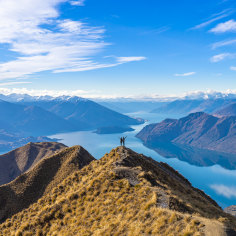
(221, 57)
(43, 42)
(185, 74)
(228, 26)
(77, 2)
(96, 94)
(130, 59)
(158, 30)
(233, 68)
(45, 92)
(223, 43)
(226, 191)
(90, 65)
(214, 18)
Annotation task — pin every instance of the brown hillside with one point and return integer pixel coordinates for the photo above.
(47, 174)
(123, 193)
(14, 163)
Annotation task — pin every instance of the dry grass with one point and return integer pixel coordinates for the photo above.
(14, 163)
(40, 180)
(97, 200)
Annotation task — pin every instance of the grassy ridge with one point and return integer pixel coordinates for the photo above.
(123, 193)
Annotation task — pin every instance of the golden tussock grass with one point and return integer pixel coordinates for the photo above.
(99, 200)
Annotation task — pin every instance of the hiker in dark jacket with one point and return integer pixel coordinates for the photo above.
(124, 138)
(121, 141)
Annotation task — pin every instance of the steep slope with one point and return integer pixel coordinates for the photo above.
(123, 193)
(185, 106)
(86, 114)
(197, 129)
(227, 111)
(39, 180)
(32, 120)
(14, 163)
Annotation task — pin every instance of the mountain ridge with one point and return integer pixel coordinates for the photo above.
(197, 129)
(115, 194)
(40, 179)
(18, 161)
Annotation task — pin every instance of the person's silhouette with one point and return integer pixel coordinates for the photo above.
(121, 141)
(124, 138)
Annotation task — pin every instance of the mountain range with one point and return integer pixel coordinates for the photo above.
(40, 116)
(186, 106)
(198, 129)
(123, 193)
(31, 120)
(83, 113)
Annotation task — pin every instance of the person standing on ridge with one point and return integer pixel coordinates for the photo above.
(121, 141)
(124, 138)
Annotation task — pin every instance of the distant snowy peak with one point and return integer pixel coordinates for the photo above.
(210, 95)
(73, 99)
(27, 98)
(193, 95)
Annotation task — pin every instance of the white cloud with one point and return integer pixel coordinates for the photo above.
(228, 26)
(221, 57)
(89, 65)
(233, 68)
(223, 43)
(45, 92)
(70, 46)
(185, 74)
(217, 17)
(77, 2)
(226, 191)
(96, 94)
(70, 26)
(130, 59)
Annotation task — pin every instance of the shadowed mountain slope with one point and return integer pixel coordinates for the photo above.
(14, 163)
(197, 129)
(39, 180)
(123, 193)
(227, 111)
(32, 120)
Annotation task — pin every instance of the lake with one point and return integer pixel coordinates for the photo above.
(216, 181)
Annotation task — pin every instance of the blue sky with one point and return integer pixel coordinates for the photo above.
(117, 48)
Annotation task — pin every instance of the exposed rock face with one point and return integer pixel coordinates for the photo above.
(16, 162)
(197, 129)
(231, 210)
(39, 180)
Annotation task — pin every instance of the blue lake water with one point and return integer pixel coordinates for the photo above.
(216, 181)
